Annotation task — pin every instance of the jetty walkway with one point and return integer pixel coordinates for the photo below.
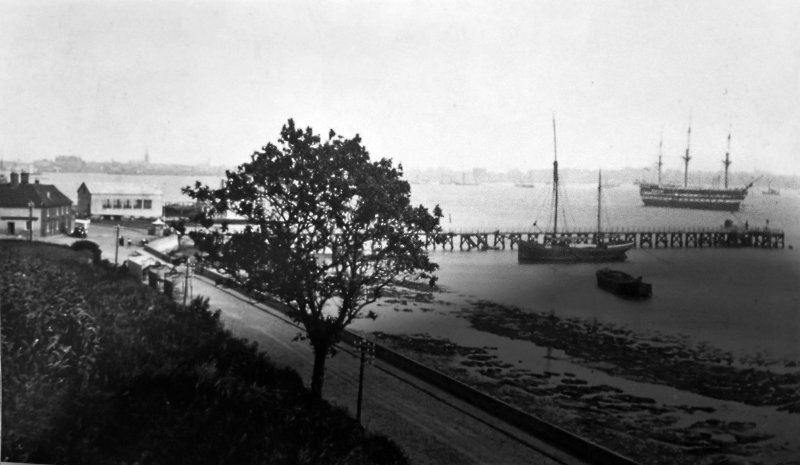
(641, 237)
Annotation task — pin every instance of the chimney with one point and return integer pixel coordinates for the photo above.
(36, 181)
(24, 177)
(14, 178)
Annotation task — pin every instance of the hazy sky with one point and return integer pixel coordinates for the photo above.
(446, 83)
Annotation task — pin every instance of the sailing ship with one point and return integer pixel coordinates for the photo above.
(699, 198)
(561, 250)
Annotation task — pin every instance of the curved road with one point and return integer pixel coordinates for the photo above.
(429, 424)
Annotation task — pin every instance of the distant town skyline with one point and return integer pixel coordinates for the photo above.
(449, 84)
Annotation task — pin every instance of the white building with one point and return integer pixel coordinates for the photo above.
(118, 200)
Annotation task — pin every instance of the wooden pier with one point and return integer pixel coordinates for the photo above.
(642, 238)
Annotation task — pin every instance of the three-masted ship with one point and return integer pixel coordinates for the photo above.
(562, 250)
(700, 198)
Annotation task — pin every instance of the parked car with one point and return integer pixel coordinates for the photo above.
(79, 231)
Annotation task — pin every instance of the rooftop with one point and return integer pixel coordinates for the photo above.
(120, 188)
(42, 195)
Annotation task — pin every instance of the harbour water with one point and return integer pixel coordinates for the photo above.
(740, 301)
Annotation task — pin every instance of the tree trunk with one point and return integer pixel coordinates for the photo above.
(318, 374)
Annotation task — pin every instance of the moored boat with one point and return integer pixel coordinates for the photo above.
(561, 250)
(623, 284)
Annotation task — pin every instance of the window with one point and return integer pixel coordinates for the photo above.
(106, 203)
(127, 203)
(117, 203)
(148, 204)
(138, 203)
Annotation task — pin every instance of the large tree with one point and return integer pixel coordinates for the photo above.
(327, 230)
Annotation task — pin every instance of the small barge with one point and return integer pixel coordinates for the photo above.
(623, 284)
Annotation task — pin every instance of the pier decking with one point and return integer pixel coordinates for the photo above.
(642, 238)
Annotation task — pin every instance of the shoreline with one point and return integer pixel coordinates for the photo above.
(612, 385)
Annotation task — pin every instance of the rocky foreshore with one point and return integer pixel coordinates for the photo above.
(647, 430)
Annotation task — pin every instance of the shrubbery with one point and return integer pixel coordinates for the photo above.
(90, 246)
(100, 369)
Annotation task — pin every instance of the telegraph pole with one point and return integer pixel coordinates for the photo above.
(367, 350)
(30, 221)
(116, 245)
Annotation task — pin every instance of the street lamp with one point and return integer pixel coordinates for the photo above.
(30, 220)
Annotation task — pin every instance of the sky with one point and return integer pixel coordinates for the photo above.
(451, 83)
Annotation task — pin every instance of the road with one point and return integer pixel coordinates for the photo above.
(430, 425)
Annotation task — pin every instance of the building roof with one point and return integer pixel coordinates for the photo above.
(120, 188)
(42, 196)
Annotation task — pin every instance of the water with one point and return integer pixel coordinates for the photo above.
(170, 186)
(743, 301)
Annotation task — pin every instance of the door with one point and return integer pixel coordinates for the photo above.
(11, 229)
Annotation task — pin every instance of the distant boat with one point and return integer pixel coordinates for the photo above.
(770, 190)
(527, 185)
(560, 250)
(623, 284)
(699, 198)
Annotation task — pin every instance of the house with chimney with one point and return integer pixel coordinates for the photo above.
(30, 209)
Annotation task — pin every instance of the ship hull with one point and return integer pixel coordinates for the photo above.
(623, 284)
(654, 195)
(533, 252)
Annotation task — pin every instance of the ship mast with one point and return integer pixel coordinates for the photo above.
(555, 178)
(727, 161)
(599, 202)
(686, 158)
(660, 153)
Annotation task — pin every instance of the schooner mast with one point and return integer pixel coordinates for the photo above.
(660, 153)
(555, 178)
(686, 158)
(599, 202)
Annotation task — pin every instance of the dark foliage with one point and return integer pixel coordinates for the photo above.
(328, 229)
(99, 369)
(90, 246)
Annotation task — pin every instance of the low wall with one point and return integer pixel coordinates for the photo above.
(162, 247)
(575, 445)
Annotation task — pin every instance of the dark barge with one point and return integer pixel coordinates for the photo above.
(623, 284)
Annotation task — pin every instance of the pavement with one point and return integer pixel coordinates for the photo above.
(430, 425)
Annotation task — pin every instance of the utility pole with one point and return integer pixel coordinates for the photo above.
(30, 220)
(116, 245)
(367, 350)
(186, 281)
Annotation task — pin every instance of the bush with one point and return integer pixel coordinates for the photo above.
(49, 351)
(89, 246)
(100, 369)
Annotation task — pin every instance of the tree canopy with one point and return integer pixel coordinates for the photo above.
(327, 230)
